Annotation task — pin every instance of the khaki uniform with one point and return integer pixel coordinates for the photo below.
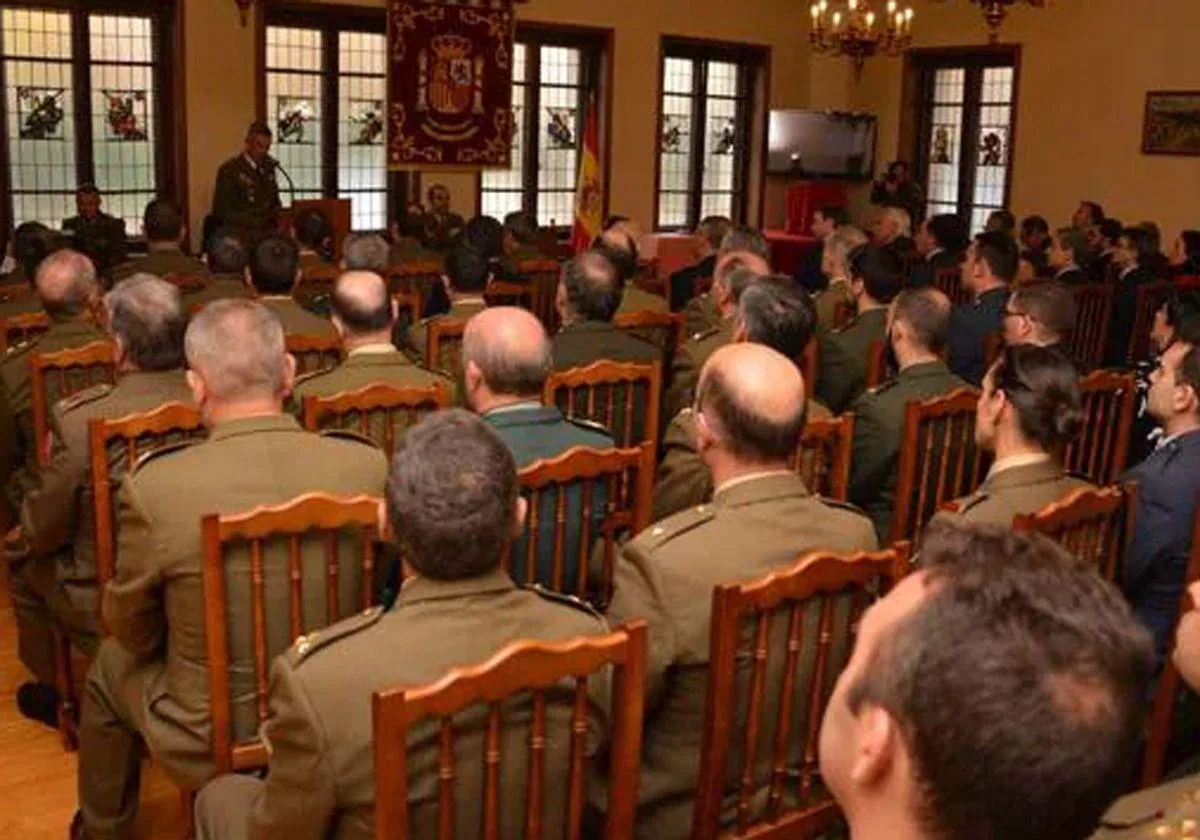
(1016, 491)
(689, 359)
(828, 302)
(321, 781)
(101, 237)
(666, 575)
(844, 359)
(636, 299)
(246, 197)
(463, 308)
(878, 428)
(161, 261)
(21, 305)
(580, 343)
(442, 232)
(1171, 810)
(682, 480)
(151, 678)
(411, 251)
(700, 315)
(295, 318)
(58, 580)
(219, 287)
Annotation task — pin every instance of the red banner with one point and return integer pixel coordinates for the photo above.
(449, 85)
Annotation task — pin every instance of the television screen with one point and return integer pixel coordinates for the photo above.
(831, 144)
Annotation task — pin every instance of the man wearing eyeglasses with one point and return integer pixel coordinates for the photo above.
(1042, 313)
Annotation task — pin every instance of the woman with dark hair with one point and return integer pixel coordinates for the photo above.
(1029, 409)
(1185, 256)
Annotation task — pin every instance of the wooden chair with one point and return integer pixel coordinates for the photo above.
(823, 457)
(409, 306)
(1101, 449)
(1090, 336)
(187, 283)
(542, 276)
(1094, 524)
(505, 293)
(1150, 299)
(938, 459)
(1162, 711)
(877, 368)
(246, 574)
(314, 351)
(949, 280)
(609, 493)
(624, 397)
(648, 278)
(767, 774)
(443, 345)
(55, 376)
(662, 329)
(18, 329)
(379, 411)
(531, 681)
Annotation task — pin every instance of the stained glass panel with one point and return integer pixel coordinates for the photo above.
(362, 128)
(294, 108)
(945, 141)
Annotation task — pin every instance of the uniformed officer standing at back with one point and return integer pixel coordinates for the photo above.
(149, 681)
(94, 232)
(453, 500)
(1029, 409)
(246, 195)
(56, 580)
(750, 411)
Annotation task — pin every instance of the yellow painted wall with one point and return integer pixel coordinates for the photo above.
(1086, 68)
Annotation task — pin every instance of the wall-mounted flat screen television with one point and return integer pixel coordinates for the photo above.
(821, 144)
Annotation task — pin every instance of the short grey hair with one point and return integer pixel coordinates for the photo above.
(146, 315)
(367, 252)
(238, 347)
(841, 242)
(746, 239)
(901, 218)
(66, 280)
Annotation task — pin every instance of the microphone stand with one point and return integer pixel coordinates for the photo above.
(291, 184)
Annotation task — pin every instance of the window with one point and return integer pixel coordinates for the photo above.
(325, 100)
(85, 92)
(964, 159)
(703, 133)
(554, 77)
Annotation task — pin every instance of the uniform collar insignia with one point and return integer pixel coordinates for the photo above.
(250, 425)
(417, 589)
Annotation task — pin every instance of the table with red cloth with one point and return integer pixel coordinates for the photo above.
(788, 249)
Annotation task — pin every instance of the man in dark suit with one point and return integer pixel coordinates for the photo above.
(1035, 239)
(95, 233)
(246, 196)
(824, 222)
(1107, 233)
(940, 241)
(588, 298)
(1040, 312)
(709, 234)
(1086, 216)
(162, 224)
(1168, 483)
(1129, 272)
(1003, 221)
(988, 273)
(1069, 253)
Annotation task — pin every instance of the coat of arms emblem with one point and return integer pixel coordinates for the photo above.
(450, 87)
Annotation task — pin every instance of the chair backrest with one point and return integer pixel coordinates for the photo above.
(765, 633)
(507, 293)
(380, 411)
(1101, 449)
(823, 458)
(409, 305)
(663, 329)
(17, 329)
(55, 376)
(542, 276)
(580, 500)
(114, 447)
(315, 351)
(949, 280)
(1150, 298)
(1090, 336)
(443, 345)
(1094, 524)
(187, 282)
(876, 363)
(938, 459)
(466, 706)
(301, 519)
(624, 397)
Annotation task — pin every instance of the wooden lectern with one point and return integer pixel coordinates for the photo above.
(337, 210)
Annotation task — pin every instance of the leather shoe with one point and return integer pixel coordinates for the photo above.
(39, 702)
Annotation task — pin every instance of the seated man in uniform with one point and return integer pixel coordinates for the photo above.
(750, 411)
(95, 233)
(454, 501)
(620, 247)
(465, 276)
(705, 312)
(273, 272)
(1040, 312)
(589, 293)
(148, 684)
(940, 242)
(875, 279)
(772, 311)
(711, 231)
(996, 692)
(228, 256)
(442, 227)
(56, 579)
(518, 244)
(31, 243)
(1029, 409)
(366, 252)
(918, 322)
(988, 273)
(162, 223)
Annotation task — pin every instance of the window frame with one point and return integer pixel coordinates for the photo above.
(169, 122)
(595, 45)
(752, 61)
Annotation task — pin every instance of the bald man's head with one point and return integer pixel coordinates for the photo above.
(753, 399)
(361, 302)
(508, 349)
(592, 286)
(66, 281)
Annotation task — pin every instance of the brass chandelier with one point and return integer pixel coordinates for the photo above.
(855, 34)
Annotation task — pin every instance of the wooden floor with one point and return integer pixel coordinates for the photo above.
(37, 778)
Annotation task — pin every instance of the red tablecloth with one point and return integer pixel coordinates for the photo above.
(787, 249)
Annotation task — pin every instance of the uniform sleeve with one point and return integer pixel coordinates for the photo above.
(1157, 543)
(836, 380)
(50, 512)
(684, 378)
(637, 593)
(133, 604)
(682, 480)
(298, 800)
(873, 455)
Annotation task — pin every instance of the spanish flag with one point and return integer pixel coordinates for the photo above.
(589, 200)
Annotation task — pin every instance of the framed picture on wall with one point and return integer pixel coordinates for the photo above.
(1172, 123)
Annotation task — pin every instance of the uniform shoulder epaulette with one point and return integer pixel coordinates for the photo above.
(160, 451)
(589, 425)
(883, 387)
(703, 334)
(312, 374)
(347, 434)
(563, 598)
(306, 645)
(674, 525)
(83, 397)
(841, 505)
(844, 327)
(974, 500)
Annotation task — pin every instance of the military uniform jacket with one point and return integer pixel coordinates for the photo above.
(102, 238)
(155, 605)
(442, 232)
(1017, 491)
(321, 782)
(689, 360)
(219, 287)
(462, 308)
(635, 299)
(246, 196)
(60, 511)
(844, 359)
(160, 262)
(666, 575)
(1166, 811)
(927, 270)
(970, 325)
(700, 315)
(878, 427)
(368, 367)
(829, 301)
(580, 343)
(295, 318)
